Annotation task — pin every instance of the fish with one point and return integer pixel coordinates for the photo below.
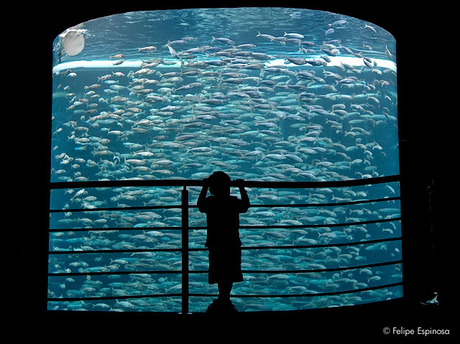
(222, 40)
(266, 36)
(149, 49)
(340, 22)
(172, 51)
(294, 35)
(297, 61)
(388, 53)
(370, 27)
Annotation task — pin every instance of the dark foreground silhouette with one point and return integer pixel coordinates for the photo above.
(223, 238)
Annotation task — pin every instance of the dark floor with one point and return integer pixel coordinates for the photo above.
(365, 321)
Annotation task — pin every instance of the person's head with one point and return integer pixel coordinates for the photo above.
(219, 184)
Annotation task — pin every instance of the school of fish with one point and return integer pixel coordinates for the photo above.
(246, 108)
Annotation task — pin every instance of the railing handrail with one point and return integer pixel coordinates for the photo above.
(194, 249)
(185, 228)
(127, 297)
(299, 271)
(264, 205)
(356, 223)
(245, 183)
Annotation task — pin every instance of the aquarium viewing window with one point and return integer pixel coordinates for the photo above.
(301, 104)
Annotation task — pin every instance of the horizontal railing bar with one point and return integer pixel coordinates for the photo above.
(304, 295)
(297, 205)
(311, 225)
(114, 209)
(61, 274)
(134, 251)
(313, 205)
(112, 229)
(321, 245)
(100, 298)
(287, 247)
(306, 226)
(241, 227)
(125, 297)
(246, 183)
(100, 273)
(343, 268)
(318, 225)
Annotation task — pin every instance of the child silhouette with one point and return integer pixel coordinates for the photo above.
(223, 238)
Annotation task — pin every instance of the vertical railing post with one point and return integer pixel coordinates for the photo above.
(185, 270)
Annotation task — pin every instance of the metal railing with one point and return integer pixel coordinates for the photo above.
(185, 228)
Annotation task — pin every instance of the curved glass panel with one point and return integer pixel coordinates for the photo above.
(178, 94)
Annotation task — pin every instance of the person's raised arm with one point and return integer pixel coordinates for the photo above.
(202, 197)
(244, 195)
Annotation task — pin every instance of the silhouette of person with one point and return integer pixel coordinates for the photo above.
(223, 238)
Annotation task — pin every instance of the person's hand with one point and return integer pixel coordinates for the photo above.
(206, 182)
(239, 183)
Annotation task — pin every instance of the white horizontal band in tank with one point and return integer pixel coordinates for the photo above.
(335, 61)
(96, 64)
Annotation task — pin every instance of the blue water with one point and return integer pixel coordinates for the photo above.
(225, 98)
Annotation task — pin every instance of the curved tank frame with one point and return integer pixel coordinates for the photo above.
(147, 104)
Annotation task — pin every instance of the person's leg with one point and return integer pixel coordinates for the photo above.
(224, 290)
